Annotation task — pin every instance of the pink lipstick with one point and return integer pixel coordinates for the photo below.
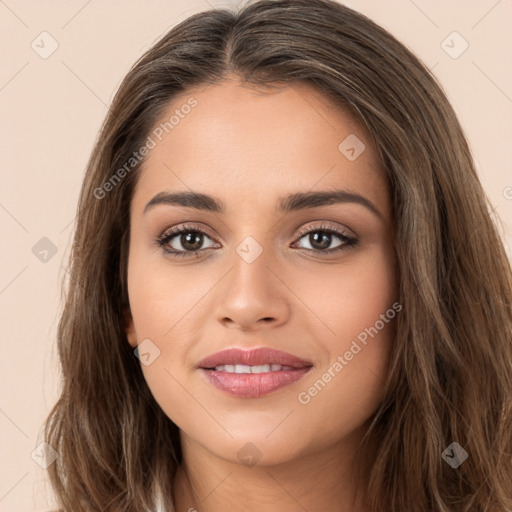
(252, 373)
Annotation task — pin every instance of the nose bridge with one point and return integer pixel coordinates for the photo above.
(251, 273)
(252, 291)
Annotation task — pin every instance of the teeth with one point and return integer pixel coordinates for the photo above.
(243, 368)
(260, 368)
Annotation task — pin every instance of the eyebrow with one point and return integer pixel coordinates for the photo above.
(292, 202)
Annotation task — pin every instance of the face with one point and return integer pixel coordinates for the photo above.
(309, 276)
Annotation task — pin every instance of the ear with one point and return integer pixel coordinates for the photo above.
(131, 335)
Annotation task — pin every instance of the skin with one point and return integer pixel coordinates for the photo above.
(248, 148)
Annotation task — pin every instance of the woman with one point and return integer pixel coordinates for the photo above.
(287, 292)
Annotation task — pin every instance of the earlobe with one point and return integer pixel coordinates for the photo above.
(131, 335)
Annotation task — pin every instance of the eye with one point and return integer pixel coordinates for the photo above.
(321, 237)
(188, 243)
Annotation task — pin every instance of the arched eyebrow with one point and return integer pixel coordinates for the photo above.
(289, 203)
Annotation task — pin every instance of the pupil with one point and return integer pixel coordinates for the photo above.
(191, 240)
(320, 239)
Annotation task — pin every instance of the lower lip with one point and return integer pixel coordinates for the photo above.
(253, 385)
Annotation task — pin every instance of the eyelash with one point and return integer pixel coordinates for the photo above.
(167, 236)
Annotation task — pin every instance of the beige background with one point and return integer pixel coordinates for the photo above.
(51, 110)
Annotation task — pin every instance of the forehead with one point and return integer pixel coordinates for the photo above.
(245, 144)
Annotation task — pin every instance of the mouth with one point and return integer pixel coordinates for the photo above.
(244, 368)
(253, 373)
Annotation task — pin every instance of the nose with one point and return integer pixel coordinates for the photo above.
(253, 296)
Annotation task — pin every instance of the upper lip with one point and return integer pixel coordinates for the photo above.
(253, 357)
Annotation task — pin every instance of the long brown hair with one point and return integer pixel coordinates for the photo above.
(450, 376)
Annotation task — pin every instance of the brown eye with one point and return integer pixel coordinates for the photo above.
(320, 240)
(190, 240)
(184, 241)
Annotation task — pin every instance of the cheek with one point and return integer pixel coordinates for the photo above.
(347, 391)
(162, 297)
(356, 305)
(164, 303)
(345, 299)
(161, 315)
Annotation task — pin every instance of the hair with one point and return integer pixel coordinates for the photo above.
(450, 373)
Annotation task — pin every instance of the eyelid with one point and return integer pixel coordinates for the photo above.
(186, 226)
(325, 226)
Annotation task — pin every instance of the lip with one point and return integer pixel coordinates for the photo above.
(253, 357)
(253, 385)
